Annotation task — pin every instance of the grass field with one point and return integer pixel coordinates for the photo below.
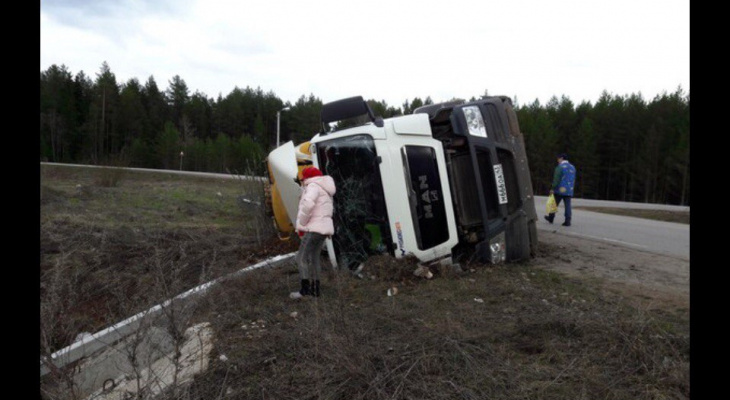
(111, 247)
(110, 250)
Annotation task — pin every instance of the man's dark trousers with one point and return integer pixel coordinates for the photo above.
(568, 210)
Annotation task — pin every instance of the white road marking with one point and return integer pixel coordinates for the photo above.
(609, 240)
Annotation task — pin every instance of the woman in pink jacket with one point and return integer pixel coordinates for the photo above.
(314, 221)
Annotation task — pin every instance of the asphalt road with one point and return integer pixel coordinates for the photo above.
(660, 237)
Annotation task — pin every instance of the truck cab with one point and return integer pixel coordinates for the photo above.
(447, 184)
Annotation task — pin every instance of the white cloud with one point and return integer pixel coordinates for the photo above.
(384, 50)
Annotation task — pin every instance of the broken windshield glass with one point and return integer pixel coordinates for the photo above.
(360, 216)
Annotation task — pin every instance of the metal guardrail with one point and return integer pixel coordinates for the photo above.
(166, 171)
(92, 343)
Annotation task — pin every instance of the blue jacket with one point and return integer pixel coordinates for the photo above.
(564, 179)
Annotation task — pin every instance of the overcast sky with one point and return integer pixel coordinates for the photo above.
(389, 50)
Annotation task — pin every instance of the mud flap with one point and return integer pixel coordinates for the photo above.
(481, 252)
(517, 237)
(532, 228)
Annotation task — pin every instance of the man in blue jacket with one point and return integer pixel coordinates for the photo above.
(562, 189)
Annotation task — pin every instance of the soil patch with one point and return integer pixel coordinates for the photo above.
(640, 274)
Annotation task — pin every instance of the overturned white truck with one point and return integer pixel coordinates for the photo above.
(448, 184)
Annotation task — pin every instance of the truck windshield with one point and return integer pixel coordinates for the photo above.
(360, 217)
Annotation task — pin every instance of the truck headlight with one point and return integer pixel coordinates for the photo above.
(474, 121)
(498, 249)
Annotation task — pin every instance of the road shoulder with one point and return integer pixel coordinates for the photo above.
(654, 279)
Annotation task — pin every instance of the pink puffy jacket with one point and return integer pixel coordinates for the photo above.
(315, 206)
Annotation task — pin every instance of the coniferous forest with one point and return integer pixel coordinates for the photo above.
(624, 147)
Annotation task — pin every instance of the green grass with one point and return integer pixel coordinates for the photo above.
(141, 199)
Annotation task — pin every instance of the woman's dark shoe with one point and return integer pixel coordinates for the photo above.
(306, 290)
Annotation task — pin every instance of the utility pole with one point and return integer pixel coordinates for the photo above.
(278, 124)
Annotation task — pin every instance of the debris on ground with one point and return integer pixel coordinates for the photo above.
(388, 268)
(423, 272)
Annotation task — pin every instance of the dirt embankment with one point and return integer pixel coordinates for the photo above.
(660, 280)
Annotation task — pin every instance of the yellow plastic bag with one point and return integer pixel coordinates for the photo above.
(551, 207)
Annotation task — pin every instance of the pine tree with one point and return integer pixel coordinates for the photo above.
(155, 104)
(58, 114)
(83, 93)
(169, 147)
(132, 115)
(177, 96)
(105, 139)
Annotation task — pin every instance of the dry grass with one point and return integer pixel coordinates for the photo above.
(508, 332)
(100, 244)
(513, 331)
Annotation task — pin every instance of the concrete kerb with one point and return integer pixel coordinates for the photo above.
(90, 344)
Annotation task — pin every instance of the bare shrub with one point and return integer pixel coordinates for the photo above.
(159, 332)
(253, 202)
(94, 275)
(112, 174)
(433, 340)
(58, 326)
(109, 177)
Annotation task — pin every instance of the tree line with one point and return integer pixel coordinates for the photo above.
(624, 147)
